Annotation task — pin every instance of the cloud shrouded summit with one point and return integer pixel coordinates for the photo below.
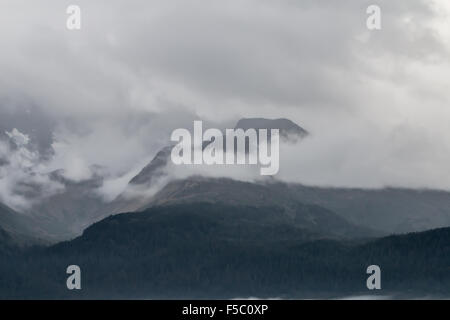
(106, 97)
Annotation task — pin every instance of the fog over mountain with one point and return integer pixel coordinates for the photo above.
(106, 98)
(88, 125)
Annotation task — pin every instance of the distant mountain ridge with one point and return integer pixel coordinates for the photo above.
(386, 211)
(65, 214)
(18, 227)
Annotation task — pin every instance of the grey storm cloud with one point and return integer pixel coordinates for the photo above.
(376, 102)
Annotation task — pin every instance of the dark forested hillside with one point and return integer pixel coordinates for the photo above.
(204, 251)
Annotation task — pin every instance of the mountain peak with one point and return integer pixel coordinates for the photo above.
(288, 128)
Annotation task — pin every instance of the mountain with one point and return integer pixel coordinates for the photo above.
(221, 238)
(227, 192)
(390, 210)
(151, 174)
(288, 129)
(232, 192)
(17, 227)
(66, 214)
(209, 251)
(385, 211)
(152, 171)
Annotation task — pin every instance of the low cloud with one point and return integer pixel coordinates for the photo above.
(24, 178)
(104, 99)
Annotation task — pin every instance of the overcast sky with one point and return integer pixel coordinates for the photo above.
(377, 103)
